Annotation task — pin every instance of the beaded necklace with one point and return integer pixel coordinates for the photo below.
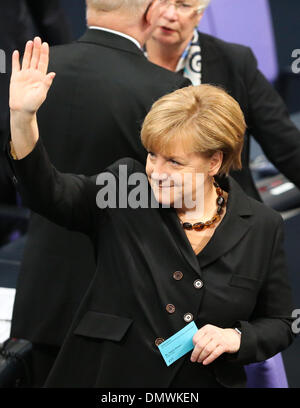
(200, 226)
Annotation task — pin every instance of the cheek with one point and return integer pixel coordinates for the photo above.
(192, 184)
(149, 168)
(188, 180)
(187, 28)
(156, 33)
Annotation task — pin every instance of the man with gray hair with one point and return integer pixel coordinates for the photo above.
(104, 87)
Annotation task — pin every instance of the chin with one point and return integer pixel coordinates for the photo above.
(165, 38)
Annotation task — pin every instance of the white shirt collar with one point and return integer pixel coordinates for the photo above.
(118, 33)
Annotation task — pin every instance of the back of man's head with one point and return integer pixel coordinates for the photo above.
(116, 5)
(136, 18)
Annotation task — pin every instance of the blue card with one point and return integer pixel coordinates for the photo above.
(179, 344)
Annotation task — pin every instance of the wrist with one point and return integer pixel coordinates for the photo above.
(20, 118)
(235, 336)
(238, 330)
(24, 133)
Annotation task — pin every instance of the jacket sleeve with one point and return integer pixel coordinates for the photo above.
(269, 122)
(269, 330)
(66, 199)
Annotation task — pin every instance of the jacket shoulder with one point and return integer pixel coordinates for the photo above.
(264, 214)
(159, 75)
(141, 66)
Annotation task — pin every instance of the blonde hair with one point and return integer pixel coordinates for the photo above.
(204, 118)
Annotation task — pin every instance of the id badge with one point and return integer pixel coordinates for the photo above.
(179, 344)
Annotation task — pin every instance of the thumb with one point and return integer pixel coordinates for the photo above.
(49, 79)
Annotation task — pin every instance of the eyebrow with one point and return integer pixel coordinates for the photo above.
(168, 157)
(175, 158)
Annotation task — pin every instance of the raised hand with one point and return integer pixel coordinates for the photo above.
(30, 83)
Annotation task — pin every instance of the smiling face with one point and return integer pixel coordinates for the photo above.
(196, 132)
(179, 177)
(175, 27)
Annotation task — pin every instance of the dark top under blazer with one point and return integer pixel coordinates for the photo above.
(234, 68)
(112, 340)
(92, 117)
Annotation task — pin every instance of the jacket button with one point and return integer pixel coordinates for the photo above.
(158, 341)
(198, 284)
(170, 308)
(14, 180)
(188, 317)
(177, 275)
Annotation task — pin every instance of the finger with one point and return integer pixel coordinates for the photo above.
(44, 58)
(49, 79)
(200, 334)
(15, 62)
(206, 351)
(214, 355)
(27, 55)
(35, 53)
(199, 347)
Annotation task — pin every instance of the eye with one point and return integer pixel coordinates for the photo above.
(174, 162)
(152, 155)
(185, 5)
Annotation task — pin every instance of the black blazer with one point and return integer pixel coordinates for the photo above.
(92, 116)
(19, 21)
(242, 268)
(234, 68)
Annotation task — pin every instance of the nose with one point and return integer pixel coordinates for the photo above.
(158, 171)
(159, 177)
(170, 12)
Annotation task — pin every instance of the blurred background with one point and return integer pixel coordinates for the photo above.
(273, 34)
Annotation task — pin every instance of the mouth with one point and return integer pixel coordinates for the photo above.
(162, 186)
(159, 185)
(167, 29)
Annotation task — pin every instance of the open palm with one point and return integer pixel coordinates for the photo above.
(30, 83)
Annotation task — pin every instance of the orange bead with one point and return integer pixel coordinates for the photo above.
(198, 226)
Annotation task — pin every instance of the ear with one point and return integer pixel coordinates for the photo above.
(151, 13)
(215, 164)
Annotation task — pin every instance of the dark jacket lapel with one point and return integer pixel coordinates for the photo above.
(180, 239)
(110, 40)
(211, 62)
(235, 224)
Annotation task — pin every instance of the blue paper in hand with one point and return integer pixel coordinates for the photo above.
(179, 344)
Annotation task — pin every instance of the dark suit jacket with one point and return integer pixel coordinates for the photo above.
(20, 20)
(112, 340)
(92, 116)
(234, 68)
